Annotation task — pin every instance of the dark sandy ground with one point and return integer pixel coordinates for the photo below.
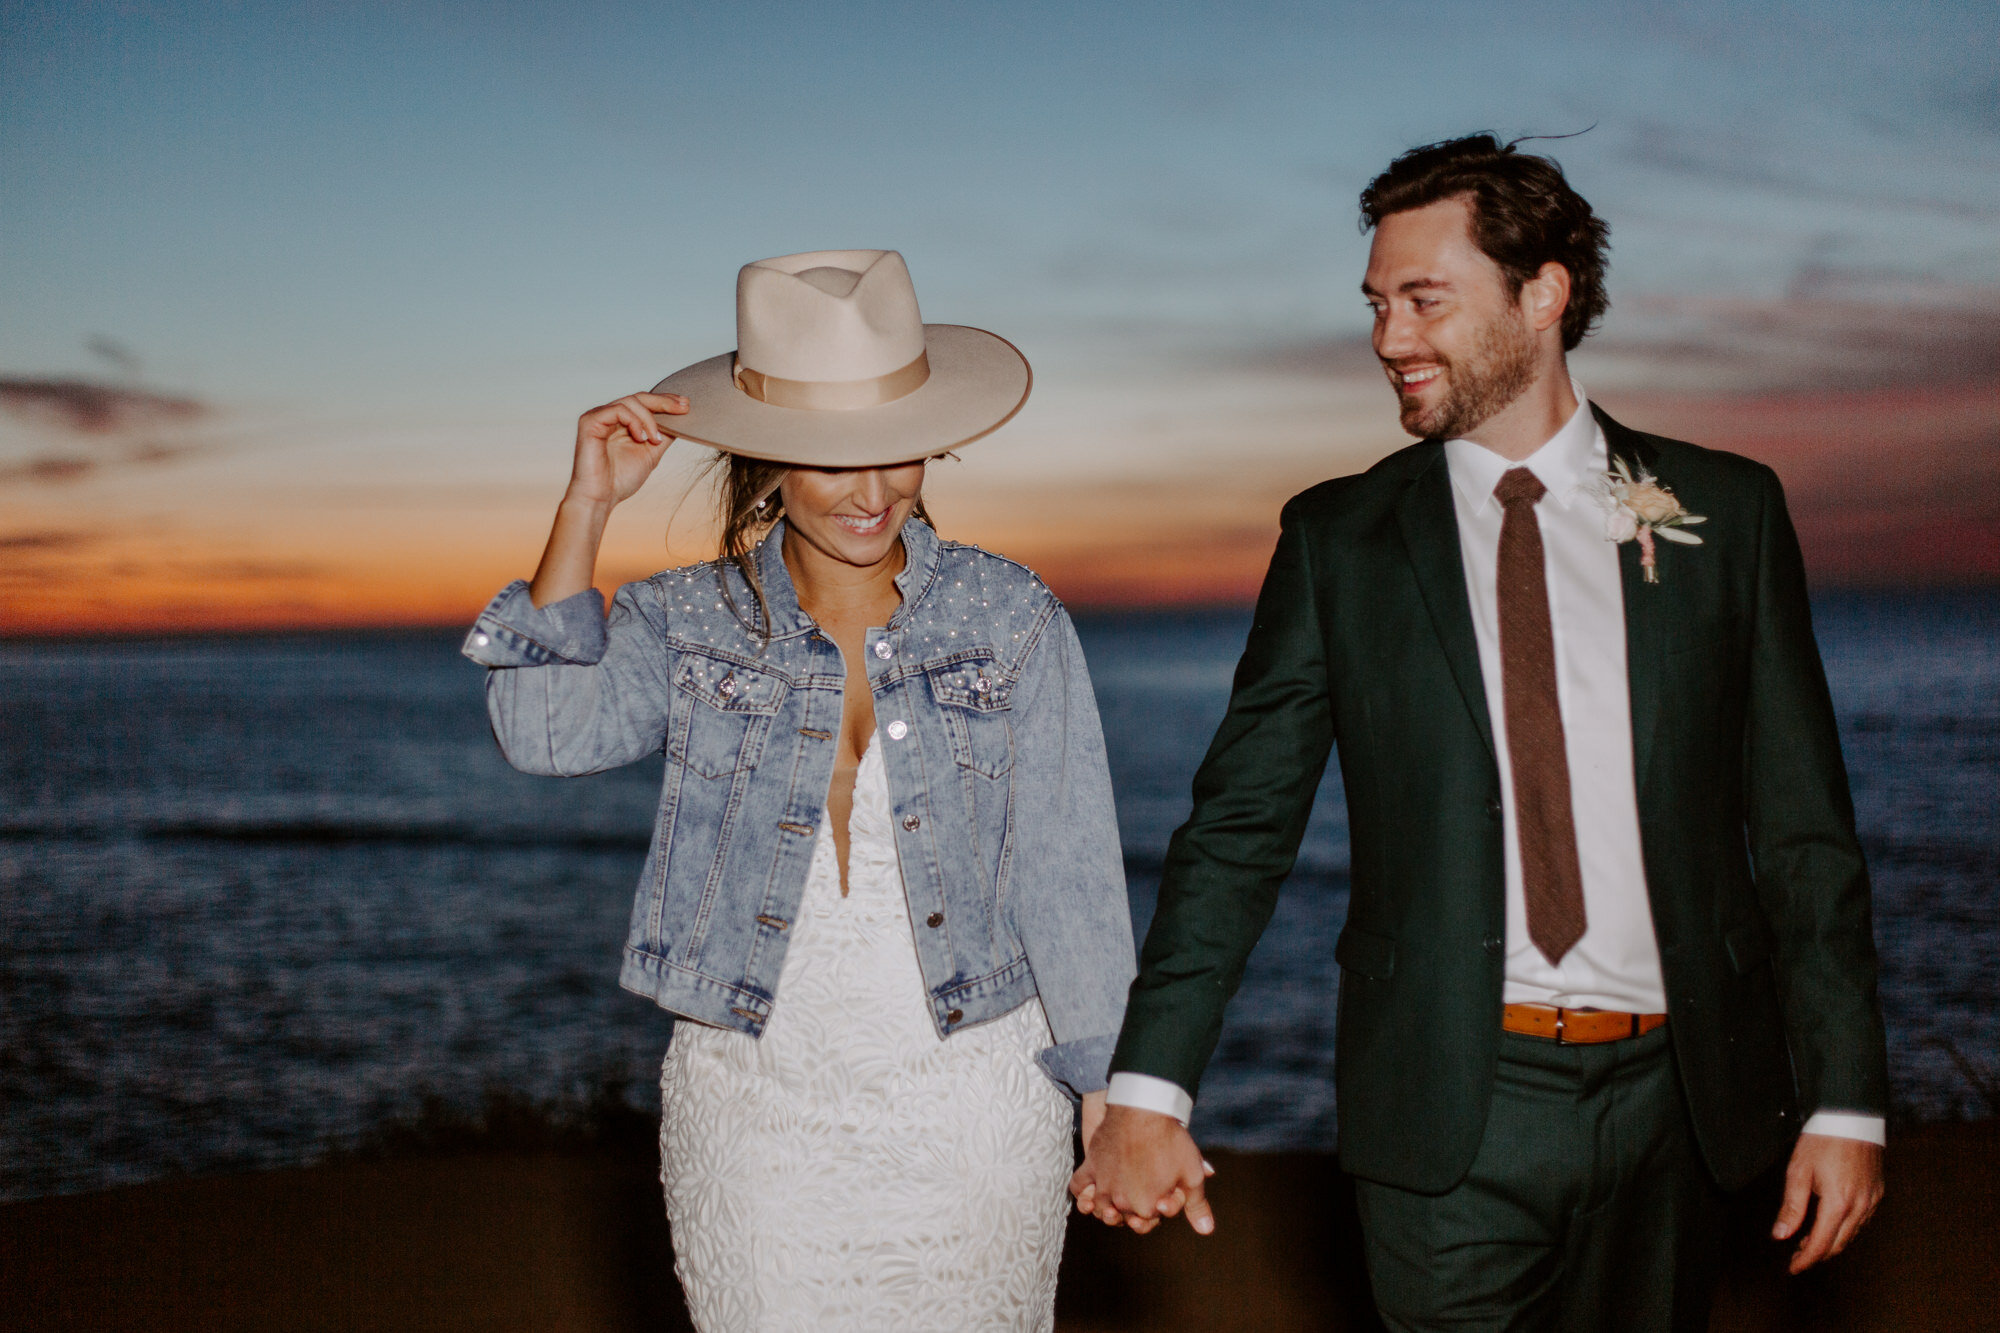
(576, 1240)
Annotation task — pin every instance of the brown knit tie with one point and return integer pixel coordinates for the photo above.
(1543, 818)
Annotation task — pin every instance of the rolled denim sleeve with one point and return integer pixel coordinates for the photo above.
(569, 691)
(1074, 918)
(513, 632)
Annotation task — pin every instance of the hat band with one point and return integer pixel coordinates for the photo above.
(834, 395)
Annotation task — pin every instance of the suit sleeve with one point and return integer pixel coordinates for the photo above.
(1252, 797)
(1811, 880)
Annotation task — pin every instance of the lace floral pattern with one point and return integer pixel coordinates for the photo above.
(850, 1170)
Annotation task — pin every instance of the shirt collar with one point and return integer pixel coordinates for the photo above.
(1563, 463)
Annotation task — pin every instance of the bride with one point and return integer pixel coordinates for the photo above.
(885, 895)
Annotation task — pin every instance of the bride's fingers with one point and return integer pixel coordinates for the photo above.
(635, 414)
(601, 425)
(644, 405)
(638, 422)
(673, 404)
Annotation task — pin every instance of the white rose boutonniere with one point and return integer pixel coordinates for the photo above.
(1638, 507)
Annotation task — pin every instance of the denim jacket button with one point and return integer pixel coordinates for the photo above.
(481, 639)
(898, 729)
(911, 823)
(934, 920)
(883, 650)
(955, 1016)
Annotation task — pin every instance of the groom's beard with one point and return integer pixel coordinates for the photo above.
(1499, 369)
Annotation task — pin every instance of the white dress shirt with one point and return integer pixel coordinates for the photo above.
(1616, 963)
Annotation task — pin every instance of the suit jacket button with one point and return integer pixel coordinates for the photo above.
(934, 920)
(1493, 944)
(955, 1016)
(1493, 807)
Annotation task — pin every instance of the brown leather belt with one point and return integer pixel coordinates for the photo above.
(1577, 1026)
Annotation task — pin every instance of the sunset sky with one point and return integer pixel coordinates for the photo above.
(299, 303)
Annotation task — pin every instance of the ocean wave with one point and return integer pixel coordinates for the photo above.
(325, 833)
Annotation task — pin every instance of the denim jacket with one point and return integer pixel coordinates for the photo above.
(995, 759)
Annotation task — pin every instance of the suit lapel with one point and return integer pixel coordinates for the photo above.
(1430, 534)
(1650, 608)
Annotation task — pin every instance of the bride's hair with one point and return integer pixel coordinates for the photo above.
(748, 502)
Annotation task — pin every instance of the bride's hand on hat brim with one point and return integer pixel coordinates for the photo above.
(618, 445)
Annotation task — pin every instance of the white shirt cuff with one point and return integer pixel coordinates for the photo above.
(1147, 1093)
(1847, 1125)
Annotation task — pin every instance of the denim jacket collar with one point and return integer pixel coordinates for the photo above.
(788, 618)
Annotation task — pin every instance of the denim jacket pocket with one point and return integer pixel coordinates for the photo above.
(724, 709)
(975, 699)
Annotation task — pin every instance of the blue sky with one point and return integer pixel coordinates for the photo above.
(405, 244)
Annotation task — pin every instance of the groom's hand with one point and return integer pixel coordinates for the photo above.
(1139, 1167)
(1846, 1177)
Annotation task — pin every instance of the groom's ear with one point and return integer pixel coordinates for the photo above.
(1545, 296)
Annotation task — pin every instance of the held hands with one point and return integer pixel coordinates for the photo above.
(618, 446)
(1138, 1167)
(1846, 1176)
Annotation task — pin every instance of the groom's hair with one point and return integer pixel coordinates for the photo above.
(1524, 215)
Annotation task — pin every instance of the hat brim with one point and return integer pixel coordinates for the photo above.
(977, 383)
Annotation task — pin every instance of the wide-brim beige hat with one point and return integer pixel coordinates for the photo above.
(834, 367)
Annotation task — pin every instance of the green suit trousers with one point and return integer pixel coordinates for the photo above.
(1587, 1208)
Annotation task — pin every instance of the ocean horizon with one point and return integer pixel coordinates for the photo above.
(266, 894)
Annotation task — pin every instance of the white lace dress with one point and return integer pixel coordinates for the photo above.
(851, 1170)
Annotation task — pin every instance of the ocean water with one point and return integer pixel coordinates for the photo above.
(260, 896)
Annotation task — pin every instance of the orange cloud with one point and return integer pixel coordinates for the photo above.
(1883, 421)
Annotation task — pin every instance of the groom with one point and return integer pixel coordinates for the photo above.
(1608, 953)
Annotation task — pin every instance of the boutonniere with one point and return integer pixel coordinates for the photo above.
(1639, 507)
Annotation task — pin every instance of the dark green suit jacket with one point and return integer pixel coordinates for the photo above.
(1363, 640)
